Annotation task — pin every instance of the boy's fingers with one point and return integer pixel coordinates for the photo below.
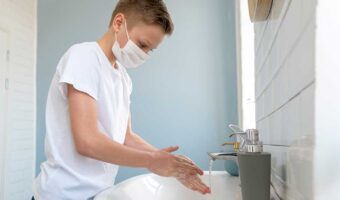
(188, 167)
(205, 189)
(195, 183)
(199, 170)
(170, 149)
(186, 158)
(186, 162)
(201, 186)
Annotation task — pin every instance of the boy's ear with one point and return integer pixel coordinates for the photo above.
(118, 22)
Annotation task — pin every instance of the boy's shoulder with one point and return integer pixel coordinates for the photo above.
(80, 54)
(84, 47)
(83, 52)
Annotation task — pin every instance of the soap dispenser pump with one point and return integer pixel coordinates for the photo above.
(254, 165)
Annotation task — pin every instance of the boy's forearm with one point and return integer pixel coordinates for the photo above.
(102, 148)
(135, 141)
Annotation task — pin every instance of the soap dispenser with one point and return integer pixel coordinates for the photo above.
(254, 166)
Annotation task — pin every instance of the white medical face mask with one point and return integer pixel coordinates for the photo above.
(131, 56)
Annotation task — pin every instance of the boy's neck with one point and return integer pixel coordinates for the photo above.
(106, 43)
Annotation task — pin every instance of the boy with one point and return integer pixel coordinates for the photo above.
(88, 119)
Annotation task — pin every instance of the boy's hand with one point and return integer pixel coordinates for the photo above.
(180, 167)
(194, 183)
(170, 149)
(166, 164)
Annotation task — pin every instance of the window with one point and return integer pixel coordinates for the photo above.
(246, 69)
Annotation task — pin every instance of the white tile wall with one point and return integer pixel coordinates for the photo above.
(19, 19)
(327, 107)
(285, 85)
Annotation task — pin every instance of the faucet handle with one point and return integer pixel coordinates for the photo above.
(237, 131)
(251, 135)
(236, 145)
(249, 139)
(241, 134)
(235, 128)
(243, 139)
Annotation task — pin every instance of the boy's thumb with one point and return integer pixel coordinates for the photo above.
(170, 149)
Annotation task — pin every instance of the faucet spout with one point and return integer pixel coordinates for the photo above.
(223, 156)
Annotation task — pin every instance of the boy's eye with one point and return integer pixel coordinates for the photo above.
(143, 46)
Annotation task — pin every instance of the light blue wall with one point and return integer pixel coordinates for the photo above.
(184, 95)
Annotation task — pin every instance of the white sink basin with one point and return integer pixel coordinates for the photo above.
(153, 187)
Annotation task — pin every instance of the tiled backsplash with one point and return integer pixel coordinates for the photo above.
(285, 87)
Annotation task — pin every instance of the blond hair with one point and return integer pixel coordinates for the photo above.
(147, 11)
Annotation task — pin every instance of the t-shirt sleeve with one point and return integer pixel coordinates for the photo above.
(80, 68)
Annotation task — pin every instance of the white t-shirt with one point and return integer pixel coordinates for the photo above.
(66, 174)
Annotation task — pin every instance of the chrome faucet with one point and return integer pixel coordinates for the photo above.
(252, 164)
(249, 142)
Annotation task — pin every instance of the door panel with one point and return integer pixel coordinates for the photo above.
(3, 104)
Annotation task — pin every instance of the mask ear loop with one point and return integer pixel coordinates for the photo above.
(116, 37)
(115, 33)
(126, 30)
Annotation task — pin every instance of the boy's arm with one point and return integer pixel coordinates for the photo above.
(135, 141)
(91, 143)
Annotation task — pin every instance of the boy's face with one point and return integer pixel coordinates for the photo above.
(145, 36)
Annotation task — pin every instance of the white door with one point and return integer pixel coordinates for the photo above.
(3, 104)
